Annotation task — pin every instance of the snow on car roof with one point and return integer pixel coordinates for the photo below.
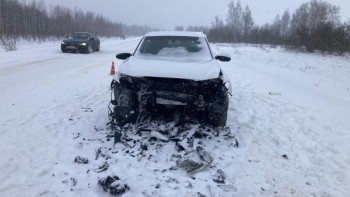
(176, 33)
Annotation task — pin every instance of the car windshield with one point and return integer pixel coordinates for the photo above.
(174, 47)
(80, 36)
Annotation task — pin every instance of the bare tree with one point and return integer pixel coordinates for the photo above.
(285, 24)
(32, 21)
(235, 20)
(248, 23)
(179, 28)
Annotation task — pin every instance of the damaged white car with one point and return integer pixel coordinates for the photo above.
(171, 75)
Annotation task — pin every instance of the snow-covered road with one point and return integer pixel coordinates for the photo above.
(52, 104)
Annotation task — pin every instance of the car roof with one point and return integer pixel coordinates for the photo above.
(176, 33)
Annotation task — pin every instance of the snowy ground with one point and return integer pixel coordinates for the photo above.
(53, 107)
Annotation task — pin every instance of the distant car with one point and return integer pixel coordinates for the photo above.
(80, 42)
(168, 70)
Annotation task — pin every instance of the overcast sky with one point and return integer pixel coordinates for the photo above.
(166, 14)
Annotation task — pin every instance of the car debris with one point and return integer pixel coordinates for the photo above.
(236, 144)
(220, 177)
(81, 160)
(103, 167)
(203, 155)
(159, 136)
(275, 93)
(97, 153)
(228, 188)
(74, 181)
(113, 185)
(191, 167)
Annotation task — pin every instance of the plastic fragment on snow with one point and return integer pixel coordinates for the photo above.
(159, 136)
(81, 160)
(74, 181)
(117, 137)
(200, 194)
(233, 138)
(285, 156)
(191, 167)
(157, 186)
(203, 155)
(179, 147)
(275, 93)
(97, 153)
(113, 185)
(220, 177)
(118, 188)
(103, 167)
(228, 188)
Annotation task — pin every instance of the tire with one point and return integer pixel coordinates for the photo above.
(221, 120)
(63, 51)
(89, 49)
(98, 47)
(126, 105)
(217, 115)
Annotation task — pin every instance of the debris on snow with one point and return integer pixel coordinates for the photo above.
(114, 185)
(103, 167)
(228, 188)
(200, 194)
(285, 156)
(159, 136)
(97, 153)
(157, 186)
(74, 181)
(220, 177)
(275, 93)
(203, 155)
(81, 160)
(191, 167)
(87, 109)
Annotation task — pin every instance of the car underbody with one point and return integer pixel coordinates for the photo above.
(178, 100)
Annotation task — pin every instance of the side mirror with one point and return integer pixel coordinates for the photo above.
(67, 36)
(123, 56)
(92, 39)
(223, 57)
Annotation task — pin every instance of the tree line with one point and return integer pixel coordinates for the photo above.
(314, 25)
(32, 21)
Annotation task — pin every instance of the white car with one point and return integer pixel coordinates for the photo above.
(171, 75)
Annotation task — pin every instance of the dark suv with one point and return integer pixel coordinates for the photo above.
(80, 42)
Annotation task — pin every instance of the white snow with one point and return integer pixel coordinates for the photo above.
(53, 107)
(197, 70)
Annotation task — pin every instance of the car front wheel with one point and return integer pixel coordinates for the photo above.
(89, 49)
(98, 47)
(125, 105)
(218, 113)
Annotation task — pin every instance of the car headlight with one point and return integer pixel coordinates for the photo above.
(83, 44)
(63, 43)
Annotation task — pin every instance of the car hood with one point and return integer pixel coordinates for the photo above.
(193, 70)
(74, 40)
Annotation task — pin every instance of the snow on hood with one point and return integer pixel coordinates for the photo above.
(146, 67)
